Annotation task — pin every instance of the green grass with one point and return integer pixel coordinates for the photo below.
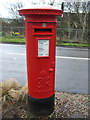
(12, 40)
(73, 44)
(22, 40)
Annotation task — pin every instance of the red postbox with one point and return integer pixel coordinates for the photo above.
(40, 49)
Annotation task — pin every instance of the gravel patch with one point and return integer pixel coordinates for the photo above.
(67, 105)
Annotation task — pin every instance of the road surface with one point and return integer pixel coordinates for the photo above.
(71, 67)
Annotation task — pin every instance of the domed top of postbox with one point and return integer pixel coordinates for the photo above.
(41, 10)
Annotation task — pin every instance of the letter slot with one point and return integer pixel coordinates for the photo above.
(41, 30)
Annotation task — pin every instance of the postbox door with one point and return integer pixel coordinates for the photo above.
(44, 85)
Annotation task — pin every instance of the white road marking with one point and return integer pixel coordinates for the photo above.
(14, 53)
(14, 58)
(12, 45)
(58, 57)
(77, 58)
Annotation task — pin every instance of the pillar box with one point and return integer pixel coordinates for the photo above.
(40, 29)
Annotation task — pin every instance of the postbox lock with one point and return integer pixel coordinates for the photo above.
(51, 70)
(44, 24)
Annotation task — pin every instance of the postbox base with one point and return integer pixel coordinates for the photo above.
(41, 107)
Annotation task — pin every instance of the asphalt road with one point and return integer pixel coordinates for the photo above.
(71, 67)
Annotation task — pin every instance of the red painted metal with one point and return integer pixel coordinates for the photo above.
(40, 25)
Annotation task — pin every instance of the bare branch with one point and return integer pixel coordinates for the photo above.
(13, 9)
(52, 2)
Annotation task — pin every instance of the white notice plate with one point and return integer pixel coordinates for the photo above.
(43, 48)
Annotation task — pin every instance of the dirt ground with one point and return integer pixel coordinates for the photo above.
(67, 105)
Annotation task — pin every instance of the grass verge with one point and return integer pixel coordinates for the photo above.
(12, 40)
(73, 44)
(23, 41)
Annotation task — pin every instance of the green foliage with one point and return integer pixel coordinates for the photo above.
(11, 34)
(2, 33)
(14, 34)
